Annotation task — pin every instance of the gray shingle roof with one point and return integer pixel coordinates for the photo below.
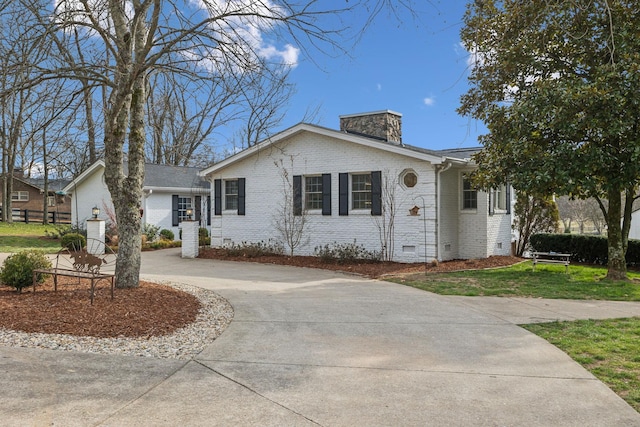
(168, 176)
(173, 176)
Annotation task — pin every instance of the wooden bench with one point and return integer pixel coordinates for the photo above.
(551, 258)
(94, 262)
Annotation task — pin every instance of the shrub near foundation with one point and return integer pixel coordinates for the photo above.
(17, 270)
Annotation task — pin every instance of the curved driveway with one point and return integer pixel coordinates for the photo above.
(309, 347)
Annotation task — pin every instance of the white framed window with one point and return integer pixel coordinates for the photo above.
(20, 196)
(51, 201)
(469, 194)
(313, 192)
(231, 194)
(361, 191)
(184, 203)
(499, 198)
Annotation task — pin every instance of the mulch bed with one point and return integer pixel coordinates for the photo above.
(373, 270)
(148, 310)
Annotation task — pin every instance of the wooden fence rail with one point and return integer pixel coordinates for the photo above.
(32, 216)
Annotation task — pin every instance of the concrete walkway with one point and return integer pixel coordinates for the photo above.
(310, 347)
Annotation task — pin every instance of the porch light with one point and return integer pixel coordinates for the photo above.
(189, 213)
(95, 211)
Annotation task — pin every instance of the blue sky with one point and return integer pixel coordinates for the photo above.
(416, 68)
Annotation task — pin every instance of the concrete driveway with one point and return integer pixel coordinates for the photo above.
(309, 347)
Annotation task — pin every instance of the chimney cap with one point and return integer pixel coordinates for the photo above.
(371, 113)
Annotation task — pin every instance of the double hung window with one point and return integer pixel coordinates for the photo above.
(231, 195)
(313, 192)
(361, 191)
(469, 195)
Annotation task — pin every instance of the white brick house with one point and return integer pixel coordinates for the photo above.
(167, 193)
(341, 181)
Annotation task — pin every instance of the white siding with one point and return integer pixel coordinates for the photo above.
(92, 192)
(317, 155)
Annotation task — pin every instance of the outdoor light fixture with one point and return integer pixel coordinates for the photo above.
(189, 213)
(95, 211)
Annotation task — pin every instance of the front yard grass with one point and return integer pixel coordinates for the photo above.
(17, 236)
(609, 349)
(548, 281)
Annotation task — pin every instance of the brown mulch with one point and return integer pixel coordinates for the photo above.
(373, 270)
(153, 309)
(148, 310)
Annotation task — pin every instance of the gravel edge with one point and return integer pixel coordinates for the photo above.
(213, 318)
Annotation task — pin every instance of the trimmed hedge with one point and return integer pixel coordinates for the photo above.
(583, 248)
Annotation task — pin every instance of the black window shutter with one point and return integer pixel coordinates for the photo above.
(217, 197)
(376, 193)
(208, 210)
(326, 194)
(297, 195)
(241, 195)
(198, 207)
(175, 215)
(491, 197)
(507, 191)
(343, 193)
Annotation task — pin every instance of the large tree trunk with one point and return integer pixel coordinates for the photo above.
(617, 264)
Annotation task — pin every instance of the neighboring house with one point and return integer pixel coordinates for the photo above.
(28, 195)
(168, 192)
(634, 231)
(344, 182)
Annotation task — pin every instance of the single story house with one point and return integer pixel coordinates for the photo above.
(167, 194)
(359, 183)
(28, 198)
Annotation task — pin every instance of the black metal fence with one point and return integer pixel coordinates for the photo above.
(32, 216)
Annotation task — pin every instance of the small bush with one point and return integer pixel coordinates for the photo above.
(203, 237)
(343, 253)
(254, 249)
(58, 231)
(167, 235)
(73, 241)
(150, 231)
(163, 244)
(17, 270)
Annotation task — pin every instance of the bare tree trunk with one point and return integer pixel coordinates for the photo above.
(617, 265)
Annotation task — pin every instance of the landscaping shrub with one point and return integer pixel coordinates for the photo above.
(17, 270)
(254, 250)
(58, 231)
(73, 241)
(203, 237)
(583, 248)
(167, 234)
(343, 253)
(150, 231)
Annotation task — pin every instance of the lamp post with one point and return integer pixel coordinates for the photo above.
(189, 213)
(95, 211)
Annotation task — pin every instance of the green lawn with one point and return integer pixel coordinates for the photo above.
(548, 281)
(609, 349)
(15, 237)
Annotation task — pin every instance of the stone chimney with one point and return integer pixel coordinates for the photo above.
(384, 125)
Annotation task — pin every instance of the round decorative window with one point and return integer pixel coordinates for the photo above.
(410, 179)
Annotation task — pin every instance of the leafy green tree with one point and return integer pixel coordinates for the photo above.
(533, 215)
(556, 82)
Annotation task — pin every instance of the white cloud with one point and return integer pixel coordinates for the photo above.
(244, 27)
(429, 101)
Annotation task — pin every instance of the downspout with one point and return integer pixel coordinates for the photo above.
(443, 167)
